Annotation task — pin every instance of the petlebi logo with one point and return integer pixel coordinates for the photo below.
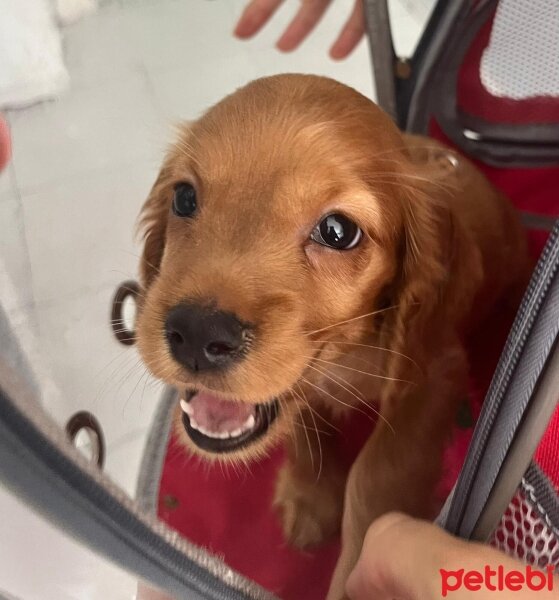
(497, 580)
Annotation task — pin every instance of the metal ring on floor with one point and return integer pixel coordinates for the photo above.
(86, 422)
(128, 289)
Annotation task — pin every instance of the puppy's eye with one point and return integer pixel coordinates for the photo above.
(337, 231)
(184, 200)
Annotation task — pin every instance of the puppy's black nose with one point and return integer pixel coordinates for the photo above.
(203, 338)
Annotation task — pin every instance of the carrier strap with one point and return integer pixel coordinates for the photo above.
(520, 402)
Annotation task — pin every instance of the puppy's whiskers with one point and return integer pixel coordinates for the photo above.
(369, 314)
(284, 408)
(311, 455)
(319, 446)
(308, 405)
(356, 393)
(371, 346)
(317, 431)
(367, 404)
(323, 391)
(376, 375)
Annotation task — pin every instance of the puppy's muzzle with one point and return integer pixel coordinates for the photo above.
(202, 338)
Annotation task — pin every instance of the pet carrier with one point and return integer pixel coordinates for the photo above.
(484, 80)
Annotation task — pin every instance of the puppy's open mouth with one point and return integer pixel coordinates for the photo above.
(218, 425)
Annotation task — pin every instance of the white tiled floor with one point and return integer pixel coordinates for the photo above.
(83, 165)
(85, 132)
(49, 565)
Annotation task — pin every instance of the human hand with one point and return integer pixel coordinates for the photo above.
(5, 146)
(408, 559)
(258, 12)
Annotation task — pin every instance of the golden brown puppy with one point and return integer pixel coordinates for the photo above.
(302, 257)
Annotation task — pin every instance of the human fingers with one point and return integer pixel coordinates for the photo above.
(303, 23)
(401, 558)
(256, 14)
(351, 33)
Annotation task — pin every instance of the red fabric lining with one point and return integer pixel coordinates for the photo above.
(229, 511)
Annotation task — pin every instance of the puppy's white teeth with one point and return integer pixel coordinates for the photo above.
(204, 431)
(186, 407)
(249, 423)
(194, 425)
(216, 435)
(235, 433)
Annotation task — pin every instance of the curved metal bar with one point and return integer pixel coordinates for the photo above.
(128, 289)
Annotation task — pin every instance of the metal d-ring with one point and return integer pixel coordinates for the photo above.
(122, 333)
(86, 422)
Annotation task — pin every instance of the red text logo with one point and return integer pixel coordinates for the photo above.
(496, 580)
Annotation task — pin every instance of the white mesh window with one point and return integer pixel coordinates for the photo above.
(522, 58)
(524, 533)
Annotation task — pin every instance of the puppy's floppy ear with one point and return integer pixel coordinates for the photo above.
(153, 224)
(440, 269)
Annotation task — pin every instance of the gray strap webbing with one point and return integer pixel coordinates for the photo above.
(383, 57)
(520, 401)
(155, 451)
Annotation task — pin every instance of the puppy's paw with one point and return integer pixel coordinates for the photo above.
(310, 510)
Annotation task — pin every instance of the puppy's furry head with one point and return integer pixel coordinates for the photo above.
(289, 228)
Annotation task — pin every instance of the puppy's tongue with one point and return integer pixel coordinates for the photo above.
(211, 414)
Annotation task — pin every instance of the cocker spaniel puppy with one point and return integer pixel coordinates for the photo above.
(303, 258)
